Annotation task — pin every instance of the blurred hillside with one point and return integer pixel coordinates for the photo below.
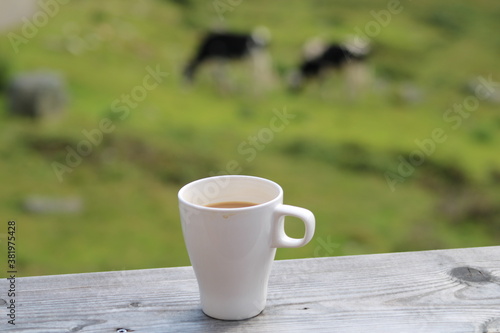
(411, 164)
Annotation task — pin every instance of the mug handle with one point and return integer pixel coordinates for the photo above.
(280, 238)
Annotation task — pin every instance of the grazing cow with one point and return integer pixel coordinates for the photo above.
(319, 58)
(222, 47)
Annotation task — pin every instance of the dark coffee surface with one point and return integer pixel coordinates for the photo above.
(231, 204)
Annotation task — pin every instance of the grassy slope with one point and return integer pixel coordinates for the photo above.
(129, 183)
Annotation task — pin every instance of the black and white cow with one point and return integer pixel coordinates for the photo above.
(319, 59)
(224, 47)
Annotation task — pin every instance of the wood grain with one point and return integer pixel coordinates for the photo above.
(432, 291)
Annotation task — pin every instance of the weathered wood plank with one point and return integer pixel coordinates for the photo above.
(432, 291)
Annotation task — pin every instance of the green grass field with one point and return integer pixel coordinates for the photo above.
(333, 155)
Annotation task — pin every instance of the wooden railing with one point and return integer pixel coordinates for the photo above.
(431, 291)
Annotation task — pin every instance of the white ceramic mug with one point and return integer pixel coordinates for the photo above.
(232, 249)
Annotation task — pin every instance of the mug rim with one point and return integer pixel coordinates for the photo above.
(218, 209)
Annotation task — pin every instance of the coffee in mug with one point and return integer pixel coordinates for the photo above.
(232, 226)
(231, 204)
